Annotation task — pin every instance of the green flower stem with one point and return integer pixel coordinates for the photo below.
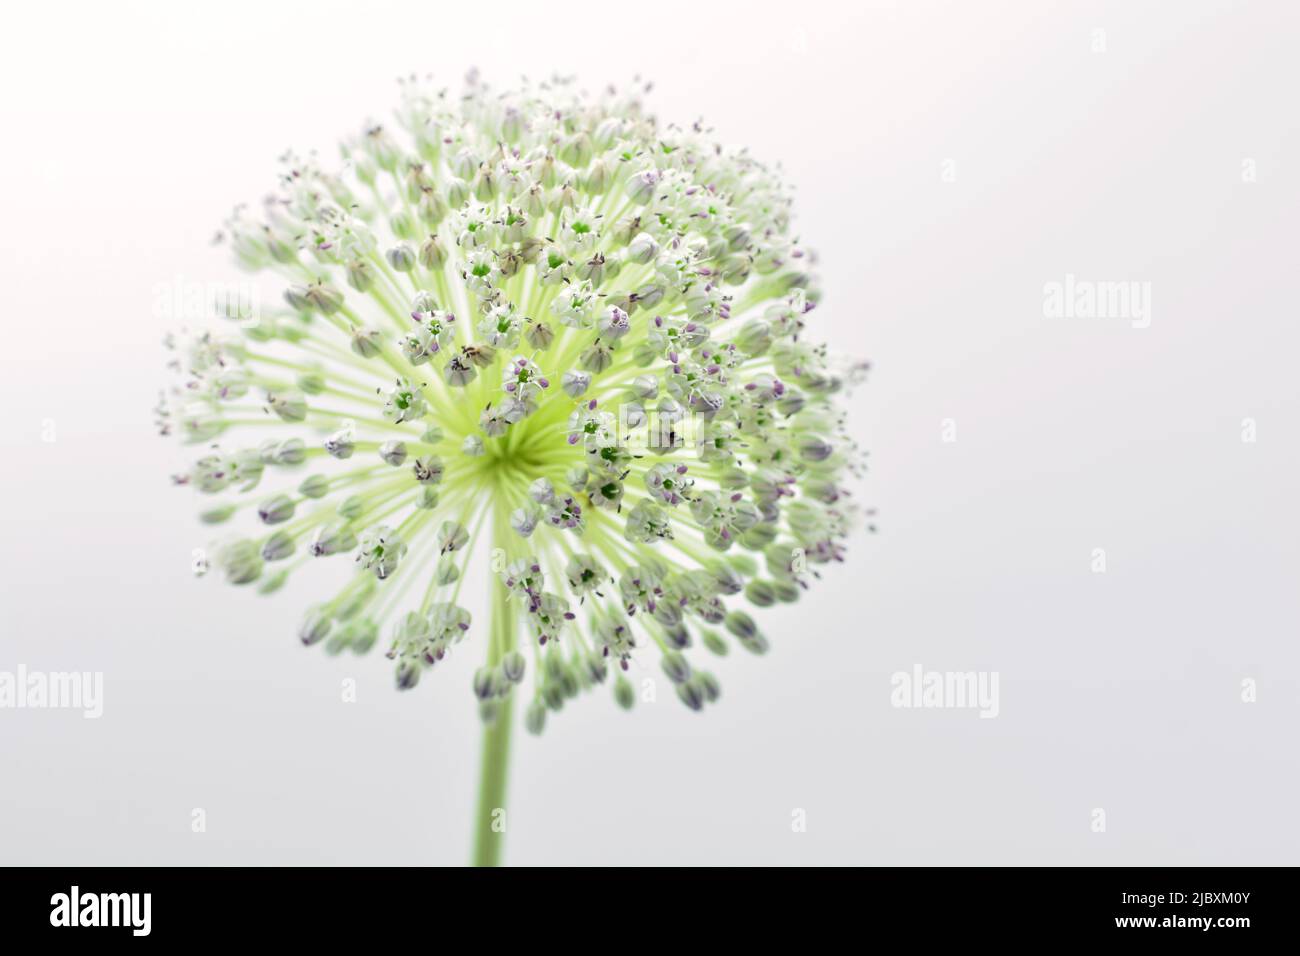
(489, 829)
(488, 843)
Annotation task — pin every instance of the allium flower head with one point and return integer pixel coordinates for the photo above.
(540, 331)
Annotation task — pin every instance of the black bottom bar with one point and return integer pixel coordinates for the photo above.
(340, 906)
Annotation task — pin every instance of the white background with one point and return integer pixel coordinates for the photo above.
(130, 130)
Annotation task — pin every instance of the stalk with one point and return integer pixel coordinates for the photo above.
(490, 816)
(490, 820)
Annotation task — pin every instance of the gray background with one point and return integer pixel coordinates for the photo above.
(132, 131)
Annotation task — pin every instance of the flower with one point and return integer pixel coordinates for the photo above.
(542, 332)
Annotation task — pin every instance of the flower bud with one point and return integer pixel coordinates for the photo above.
(576, 150)
(754, 337)
(535, 718)
(596, 669)
(260, 329)
(315, 626)
(366, 342)
(534, 201)
(737, 236)
(691, 695)
(331, 539)
(735, 269)
(607, 133)
(401, 257)
(364, 635)
(563, 197)
(814, 448)
(428, 469)
(459, 372)
(575, 384)
(273, 582)
(276, 509)
(539, 335)
(446, 571)
(457, 193)
(726, 578)
(592, 270)
(734, 479)
(791, 403)
(241, 561)
(676, 635)
(742, 625)
(280, 250)
(402, 225)
(338, 641)
(598, 178)
(432, 208)
(340, 445)
(554, 665)
(360, 275)
(676, 667)
(542, 491)
(393, 452)
(709, 685)
(296, 297)
(553, 694)
(624, 693)
(352, 507)
(787, 592)
(311, 383)
(760, 593)
(795, 279)
(614, 323)
(512, 666)
(644, 388)
(714, 642)
(641, 186)
(277, 547)
(314, 486)
(323, 299)
(217, 515)
(484, 184)
(483, 683)
(757, 537)
(380, 551)
(452, 536)
(408, 674)
(597, 357)
(365, 168)
(289, 406)
(432, 254)
(643, 248)
(524, 520)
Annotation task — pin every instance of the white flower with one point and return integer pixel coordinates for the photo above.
(634, 391)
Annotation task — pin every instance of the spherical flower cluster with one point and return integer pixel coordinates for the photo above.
(540, 331)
